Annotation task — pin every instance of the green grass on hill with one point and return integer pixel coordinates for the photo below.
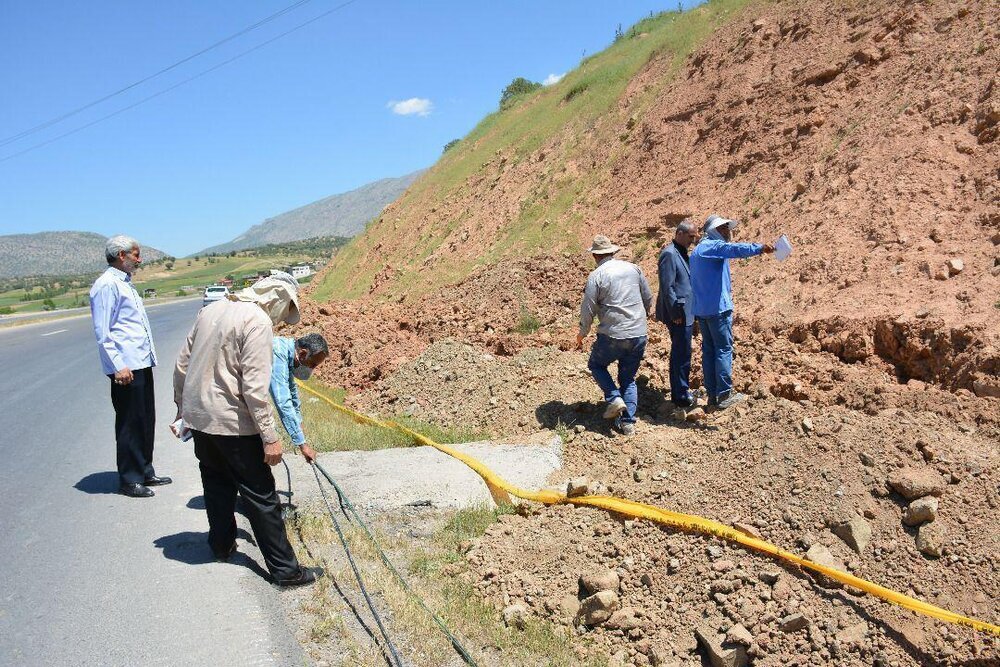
(584, 101)
(201, 272)
(191, 275)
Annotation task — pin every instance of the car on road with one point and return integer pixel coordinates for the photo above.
(214, 293)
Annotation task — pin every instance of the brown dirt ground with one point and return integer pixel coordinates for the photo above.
(867, 132)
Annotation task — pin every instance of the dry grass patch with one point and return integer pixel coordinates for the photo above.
(477, 624)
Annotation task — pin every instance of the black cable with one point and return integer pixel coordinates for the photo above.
(178, 85)
(357, 574)
(286, 512)
(457, 645)
(73, 112)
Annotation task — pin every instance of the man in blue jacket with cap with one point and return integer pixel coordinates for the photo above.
(713, 305)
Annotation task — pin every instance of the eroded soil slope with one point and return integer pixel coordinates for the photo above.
(868, 133)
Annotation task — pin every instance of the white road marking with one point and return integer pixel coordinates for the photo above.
(52, 333)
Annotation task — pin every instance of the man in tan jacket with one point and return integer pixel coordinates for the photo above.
(221, 388)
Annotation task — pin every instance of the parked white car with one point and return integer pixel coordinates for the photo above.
(214, 293)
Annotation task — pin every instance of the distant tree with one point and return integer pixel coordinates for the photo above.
(232, 253)
(451, 144)
(170, 266)
(197, 257)
(516, 88)
(48, 304)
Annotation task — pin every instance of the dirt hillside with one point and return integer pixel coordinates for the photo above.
(868, 133)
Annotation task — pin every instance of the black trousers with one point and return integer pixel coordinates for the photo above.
(235, 463)
(135, 420)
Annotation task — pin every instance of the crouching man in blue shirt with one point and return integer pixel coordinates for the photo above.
(713, 305)
(295, 358)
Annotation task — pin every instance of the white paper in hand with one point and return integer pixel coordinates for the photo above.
(782, 248)
(181, 430)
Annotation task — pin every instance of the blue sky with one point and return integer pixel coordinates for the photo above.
(372, 90)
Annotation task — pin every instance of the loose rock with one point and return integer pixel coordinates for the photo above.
(820, 555)
(719, 654)
(921, 511)
(598, 608)
(695, 415)
(578, 486)
(624, 619)
(738, 634)
(913, 483)
(793, 623)
(856, 532)
(603, 580)
(930, 540)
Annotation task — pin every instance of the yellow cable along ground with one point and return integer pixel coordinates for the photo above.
(500, 488)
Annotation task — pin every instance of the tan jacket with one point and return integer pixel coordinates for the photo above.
(223, 372)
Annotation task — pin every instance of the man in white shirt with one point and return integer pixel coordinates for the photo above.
(619, 296)
(125, 346)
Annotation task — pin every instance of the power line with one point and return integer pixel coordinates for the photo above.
(179, 84)
(73, 112)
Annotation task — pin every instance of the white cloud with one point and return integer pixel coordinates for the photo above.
(553, 78)
(414, 105)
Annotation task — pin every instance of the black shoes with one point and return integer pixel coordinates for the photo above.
(136, 490)
(687, 402)
(142, 490)
(306, 575)
(224, 556)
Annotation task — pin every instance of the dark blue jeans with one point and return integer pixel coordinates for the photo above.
(717, 353)
(680, 362)
(628, 352)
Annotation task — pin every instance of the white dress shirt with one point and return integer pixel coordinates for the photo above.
(120, 323)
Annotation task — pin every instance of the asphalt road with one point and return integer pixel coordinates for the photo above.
(91, 577)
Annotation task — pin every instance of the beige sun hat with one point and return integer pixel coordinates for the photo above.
(277, 295)
(602, 245)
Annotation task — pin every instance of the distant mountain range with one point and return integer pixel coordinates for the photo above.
(56, 253)
(343, 215)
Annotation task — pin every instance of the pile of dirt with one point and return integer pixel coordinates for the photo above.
(793, 475)
(500, 309)
(455, 384)
(798, 471)
(815, 448)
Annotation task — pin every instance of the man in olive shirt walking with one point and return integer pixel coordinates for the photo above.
(618, 294)
(221, 388)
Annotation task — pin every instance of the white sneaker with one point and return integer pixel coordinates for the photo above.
(615, 408)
